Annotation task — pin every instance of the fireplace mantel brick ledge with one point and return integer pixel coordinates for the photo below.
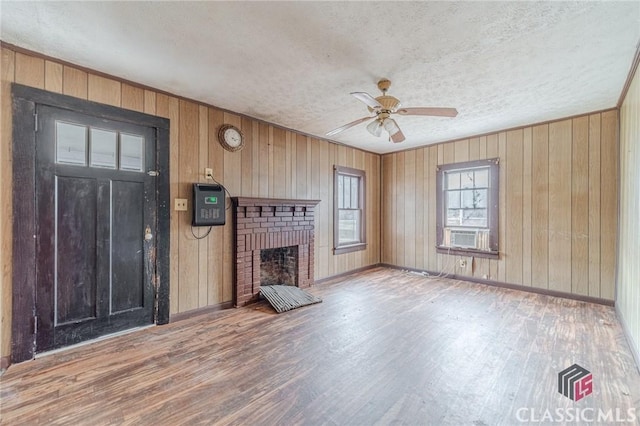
(265, 223)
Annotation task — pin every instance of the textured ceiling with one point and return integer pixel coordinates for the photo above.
(501, 64)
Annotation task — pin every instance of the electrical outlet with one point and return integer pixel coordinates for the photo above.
(463, 263)
(181, 204)
(208, 173)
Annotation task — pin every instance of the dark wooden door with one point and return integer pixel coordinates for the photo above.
(96, 219)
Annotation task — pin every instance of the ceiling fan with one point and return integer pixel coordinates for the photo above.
(385, 105)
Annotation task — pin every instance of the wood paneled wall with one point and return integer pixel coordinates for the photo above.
(628, 285)
(274, 163)
(558, 205)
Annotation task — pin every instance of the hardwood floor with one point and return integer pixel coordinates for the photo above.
(385, 347)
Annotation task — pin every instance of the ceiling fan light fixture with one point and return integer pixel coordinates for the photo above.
(390, 126)
(375, 128)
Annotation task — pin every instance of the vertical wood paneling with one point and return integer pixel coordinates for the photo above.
(432, 161)
(132, 97)
(301, 166)
(29, 70)
(74, 82)
(526, 205)
(609, 202)
(247, 156)
(503, 234)
(514, 199)
(419, 222)
(203, 244)
(188, 153)
(7, 74)
(400, 233)
(628, 271)
(103, 90)
(560, 206)
(150, 102)
(540, 207)
(580, 207)
(594, 205)
(409, 218)
(216, 250)
(53, 76)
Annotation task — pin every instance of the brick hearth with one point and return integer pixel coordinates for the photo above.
(265, 223)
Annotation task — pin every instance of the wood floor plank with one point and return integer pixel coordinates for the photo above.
(384, 347)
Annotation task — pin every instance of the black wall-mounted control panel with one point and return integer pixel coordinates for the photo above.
(208, 205)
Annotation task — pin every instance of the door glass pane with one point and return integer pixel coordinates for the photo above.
(131, 152)
(103, 148)
(71, 143)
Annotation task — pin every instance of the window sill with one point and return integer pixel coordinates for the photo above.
(468, 252)
(350, 248)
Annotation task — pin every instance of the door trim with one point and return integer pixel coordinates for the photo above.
(25, 99)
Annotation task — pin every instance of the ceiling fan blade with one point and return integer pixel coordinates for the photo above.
(347, 126)
(367, 99)
(439, 112)
(397, 136)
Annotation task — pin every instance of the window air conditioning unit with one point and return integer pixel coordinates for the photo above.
(464, 238)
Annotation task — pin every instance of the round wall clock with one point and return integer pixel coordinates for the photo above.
(230, 137)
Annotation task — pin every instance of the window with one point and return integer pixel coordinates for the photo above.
(348, 210)
(72, 140)
(467, 208)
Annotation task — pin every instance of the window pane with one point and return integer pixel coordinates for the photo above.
(468, 198)
(131, 152)
(453, 199)
(454, 217)
(480, 198)
(474, 217)
(466, 179)
(103, 148)
(453, 180)
(347, 193)
(354, 193)
(482, 178)
(340, 191)
(71, 143)
(349, 226)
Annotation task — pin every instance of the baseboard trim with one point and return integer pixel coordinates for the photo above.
(200, 311)
(5, 362)
(629, 337)
(543, 291)
(346, 274)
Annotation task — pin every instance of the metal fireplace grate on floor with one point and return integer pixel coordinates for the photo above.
(286, 297)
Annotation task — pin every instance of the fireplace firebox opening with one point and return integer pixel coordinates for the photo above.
(279, 266)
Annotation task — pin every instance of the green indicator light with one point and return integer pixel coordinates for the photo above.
(211, 200)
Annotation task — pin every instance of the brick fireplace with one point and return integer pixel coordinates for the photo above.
(270, 223)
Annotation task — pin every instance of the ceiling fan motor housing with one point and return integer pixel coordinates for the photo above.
(389, 103)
